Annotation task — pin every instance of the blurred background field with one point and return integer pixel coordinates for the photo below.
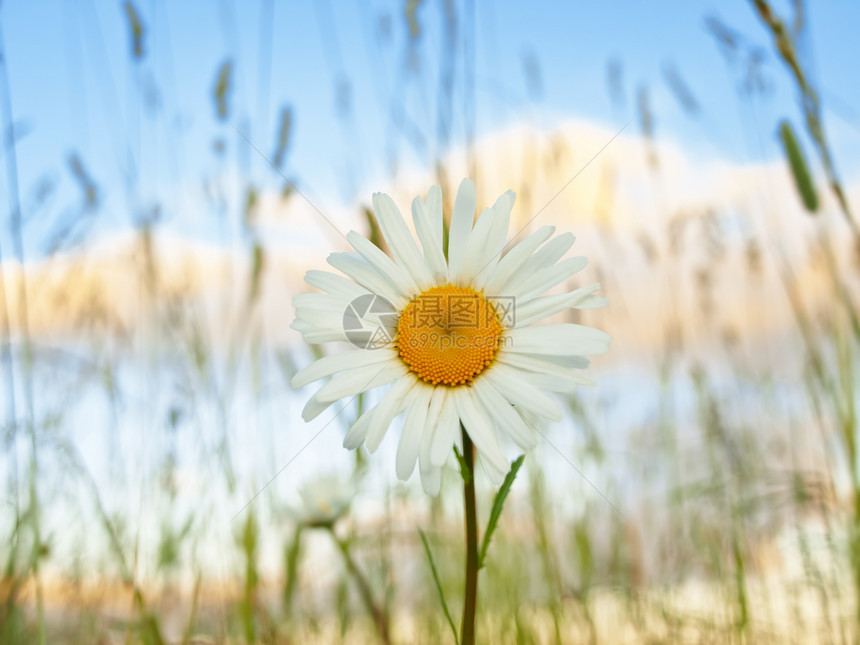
(171, 170)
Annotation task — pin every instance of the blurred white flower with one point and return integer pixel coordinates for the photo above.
(325, 499)
(455, 335)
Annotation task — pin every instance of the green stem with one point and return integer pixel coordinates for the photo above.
(380, 619)
(470, 602)
(292, 553)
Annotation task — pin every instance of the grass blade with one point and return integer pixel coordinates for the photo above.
(221, 92)
(439, 586)
(135, 26)
(799, 168)
(497, 508)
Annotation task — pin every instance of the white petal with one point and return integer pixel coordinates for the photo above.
(434, 214)
(414, 426)
(479, 429)
(495, 475)
(545, 382)
(545, 306)
(314, 407)
(594, 302)
(431, 476)
(317, 336)
(492, 278)
(360, 270)
(555, 340)
(543, 258)
(461, 226)
(300, 325)
(471, 263)
(552, 251)
(487, 239)
(570, 361)
(504, 415)
(320, 318)
(395, 401)
(323, 330)
(384, 265)
(328, 365)
(322, 337)
(437, 404)
(540, 366)
(444, 434)
(360, 379)
(321, 301)
(431, 480)
(336, 285)
(400, 240)
(427, 218)
(521, 393)
(533, 284)
(495, 242)
(357, 432)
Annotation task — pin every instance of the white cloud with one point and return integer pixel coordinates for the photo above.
(684, 210)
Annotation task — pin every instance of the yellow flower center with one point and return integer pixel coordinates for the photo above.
(448, 335)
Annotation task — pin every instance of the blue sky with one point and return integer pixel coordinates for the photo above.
(144, 130)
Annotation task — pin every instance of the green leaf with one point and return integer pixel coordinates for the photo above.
(465, 470)
(497, 508)
(799, 167)
(439, 586)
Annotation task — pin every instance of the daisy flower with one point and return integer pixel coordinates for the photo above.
(460, 341)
